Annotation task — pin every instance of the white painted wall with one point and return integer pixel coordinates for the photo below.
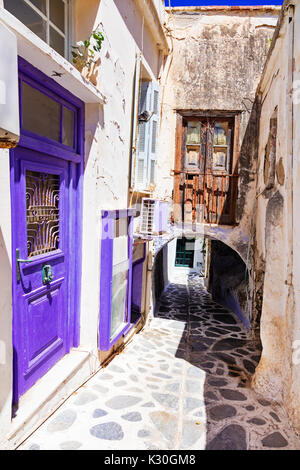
(108, 131)
(278, 373)
(6, 349)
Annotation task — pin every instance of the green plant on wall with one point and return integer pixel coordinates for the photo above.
(84, 53)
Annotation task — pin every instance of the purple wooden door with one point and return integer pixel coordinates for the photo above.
(46, 194)
(41, 237)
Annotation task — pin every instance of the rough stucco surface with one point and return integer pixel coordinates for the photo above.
(227, 280)
(275, 239)
(216, 65)
(230, 53)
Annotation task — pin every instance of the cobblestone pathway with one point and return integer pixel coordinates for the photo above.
(179, 385)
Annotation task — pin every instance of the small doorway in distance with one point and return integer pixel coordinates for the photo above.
(185, 250)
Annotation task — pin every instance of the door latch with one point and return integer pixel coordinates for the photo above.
(47, 274)
(19, 260)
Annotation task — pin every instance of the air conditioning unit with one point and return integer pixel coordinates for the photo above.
(154, 216)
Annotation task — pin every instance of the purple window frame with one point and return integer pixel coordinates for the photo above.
(108, 219)
(76, 155)
(139, 285)
(53, 90)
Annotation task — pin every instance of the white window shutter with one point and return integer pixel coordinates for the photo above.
(154, 129)
(134, 137)
(143, 137)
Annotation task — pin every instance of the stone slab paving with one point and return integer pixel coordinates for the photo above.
(182, 383)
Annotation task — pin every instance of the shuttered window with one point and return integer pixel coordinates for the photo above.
(147, 135)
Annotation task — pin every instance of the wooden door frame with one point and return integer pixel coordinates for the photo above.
(179, 179)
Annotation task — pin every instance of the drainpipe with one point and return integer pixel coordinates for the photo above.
(291, 12)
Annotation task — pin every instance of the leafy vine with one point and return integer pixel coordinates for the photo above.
(84, 52)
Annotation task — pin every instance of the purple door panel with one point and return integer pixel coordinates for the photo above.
(40, 324)
(46, 194)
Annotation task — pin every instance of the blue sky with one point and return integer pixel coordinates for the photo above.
(175, 3)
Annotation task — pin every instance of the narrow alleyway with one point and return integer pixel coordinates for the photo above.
(183, 383)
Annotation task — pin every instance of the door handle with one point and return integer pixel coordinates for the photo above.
(47, 274)
(19, 260)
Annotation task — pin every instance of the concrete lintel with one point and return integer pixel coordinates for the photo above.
(225, 9)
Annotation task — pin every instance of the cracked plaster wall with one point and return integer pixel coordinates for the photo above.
(215, 64)
(108, 130)
(275, 241)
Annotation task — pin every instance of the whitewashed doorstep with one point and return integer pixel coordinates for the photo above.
(47, 387)
(47, 60)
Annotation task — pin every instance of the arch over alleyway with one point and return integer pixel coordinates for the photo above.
(225, 274)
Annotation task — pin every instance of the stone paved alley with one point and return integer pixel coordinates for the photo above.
(182, 383)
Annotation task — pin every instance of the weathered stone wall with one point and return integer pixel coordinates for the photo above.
(227, 280)
(216, 61)
(275, 242)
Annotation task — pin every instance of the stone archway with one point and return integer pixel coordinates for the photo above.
(231, 287)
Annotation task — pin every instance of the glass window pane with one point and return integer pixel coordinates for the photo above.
(220, 133)
(68, 127)
(121, 228)
(57, 41)
(42, 212)
(40, 4)
(138, 251)
(193, 157)
(193, 133)
(57, 13)
(28, 16)
(119, 297)
(220, 158)
(41, 114)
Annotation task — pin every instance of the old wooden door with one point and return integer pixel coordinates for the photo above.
(204, 163)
